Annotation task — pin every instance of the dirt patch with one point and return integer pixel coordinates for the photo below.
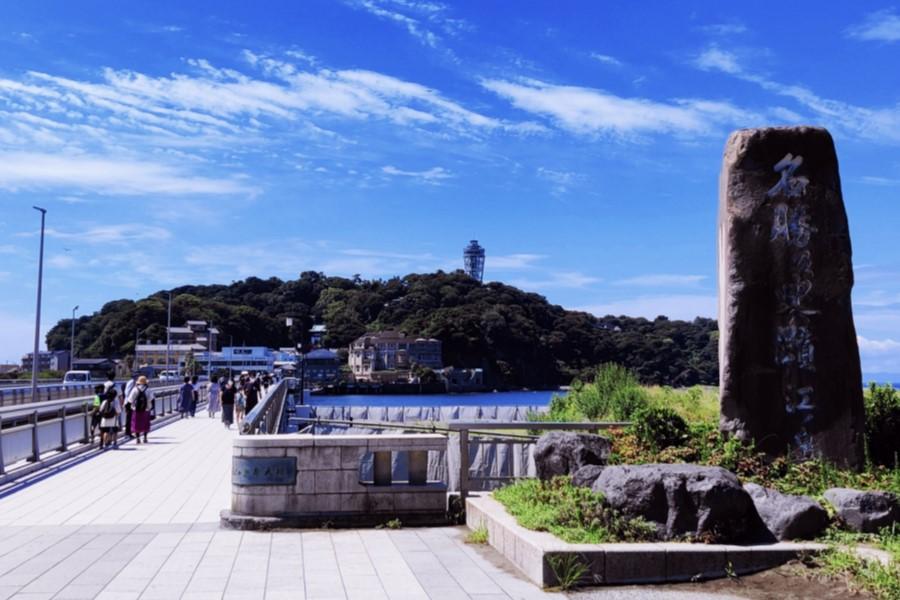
(792, 581)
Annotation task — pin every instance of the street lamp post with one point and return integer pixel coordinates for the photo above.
(72, 342)
(169, 334)
(35, 357)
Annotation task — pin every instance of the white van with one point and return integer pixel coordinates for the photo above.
(77, 377)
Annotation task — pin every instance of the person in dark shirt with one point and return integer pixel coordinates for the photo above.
(251, 394)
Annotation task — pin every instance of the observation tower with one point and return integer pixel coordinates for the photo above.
(473, 257)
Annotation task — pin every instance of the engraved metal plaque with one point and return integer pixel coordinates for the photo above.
(247, 471)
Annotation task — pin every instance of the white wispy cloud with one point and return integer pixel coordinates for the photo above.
(424, 20)
(680, 306)
(882, 26)
(877, 124)
(724, 29)
(593, 111)
(879, 181)
(31, 170)
(113, 233)
(556, 280)
(562, 180)
(515, 261)
(661, 280)
(432, 175)
(878, 346)
(606, 59)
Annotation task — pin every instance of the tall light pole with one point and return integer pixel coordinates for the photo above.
(169, 334)
(35, 357)
(72, 342)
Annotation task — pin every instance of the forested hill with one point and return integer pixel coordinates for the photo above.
(518, 338)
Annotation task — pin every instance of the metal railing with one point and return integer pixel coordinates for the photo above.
(21, 394)
(268, 415)
(31, 432)
(466, 428)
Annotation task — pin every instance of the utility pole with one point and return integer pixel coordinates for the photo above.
(35, 357)
(209, 352)
(72, 343)
(169, 334)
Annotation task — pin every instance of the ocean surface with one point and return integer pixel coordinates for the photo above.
(535, 398)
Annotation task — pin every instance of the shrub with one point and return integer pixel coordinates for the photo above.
(882, 424)
(614, 393)
(659, 427)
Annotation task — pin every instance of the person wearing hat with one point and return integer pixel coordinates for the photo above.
(142, 401)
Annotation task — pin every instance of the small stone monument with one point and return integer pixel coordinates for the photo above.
(788, 358)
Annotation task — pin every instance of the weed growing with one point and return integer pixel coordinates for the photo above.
(574, 514)
(479, 535)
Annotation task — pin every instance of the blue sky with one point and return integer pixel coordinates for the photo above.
(579, 142)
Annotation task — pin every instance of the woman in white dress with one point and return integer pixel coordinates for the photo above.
(213, 394)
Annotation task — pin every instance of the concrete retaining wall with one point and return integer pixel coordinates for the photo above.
(327, 486)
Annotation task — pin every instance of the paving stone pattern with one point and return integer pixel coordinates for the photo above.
(142, 522)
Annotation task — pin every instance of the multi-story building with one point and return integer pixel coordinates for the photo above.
(322, 367)
(392, 351)
(194, 337)
(236, 359)
(55, 360)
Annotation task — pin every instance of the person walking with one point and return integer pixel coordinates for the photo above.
(228, 398)
(195, 399)
(109, 412)
(142, 403)
(95, 413)
(126, 394)
(185, 398)
(251, 394)
(213, 390)
(241, 400)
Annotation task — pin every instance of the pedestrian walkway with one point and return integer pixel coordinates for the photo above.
(143, 522)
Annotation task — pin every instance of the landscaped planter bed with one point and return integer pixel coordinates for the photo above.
(535, 553)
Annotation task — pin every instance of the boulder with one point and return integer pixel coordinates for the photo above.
(788, 517)
(788, 354)
(586, 475)
(563, 453)
(683, 501)
(866, 512)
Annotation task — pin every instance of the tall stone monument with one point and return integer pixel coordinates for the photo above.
(789, 363)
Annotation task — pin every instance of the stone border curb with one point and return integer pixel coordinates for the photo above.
(613, 564)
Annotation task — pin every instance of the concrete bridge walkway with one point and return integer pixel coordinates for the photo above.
(143, 522)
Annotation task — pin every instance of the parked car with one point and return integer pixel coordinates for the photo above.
(168, 376)
(77, 377)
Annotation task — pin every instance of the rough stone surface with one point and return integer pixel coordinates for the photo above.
(866, 512)
(788, 355)
(788, 517)
(586, 475)
(682, 500)
(563, 453)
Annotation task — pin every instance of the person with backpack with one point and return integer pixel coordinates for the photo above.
(251, 393)
(142, 402)
(185, 397)
(109, 412)
(95, 413)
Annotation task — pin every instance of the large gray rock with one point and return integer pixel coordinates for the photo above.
(867, 512)
(563, 453)
(586, 475)
(788, 517)
(788, 356)
(682, 500)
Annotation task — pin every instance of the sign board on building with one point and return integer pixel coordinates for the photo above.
(250, 471)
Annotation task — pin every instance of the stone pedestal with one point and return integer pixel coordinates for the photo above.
(788, 357)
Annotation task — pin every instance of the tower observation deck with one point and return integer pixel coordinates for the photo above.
(473, 257)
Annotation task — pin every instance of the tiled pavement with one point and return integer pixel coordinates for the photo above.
(142, 522)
